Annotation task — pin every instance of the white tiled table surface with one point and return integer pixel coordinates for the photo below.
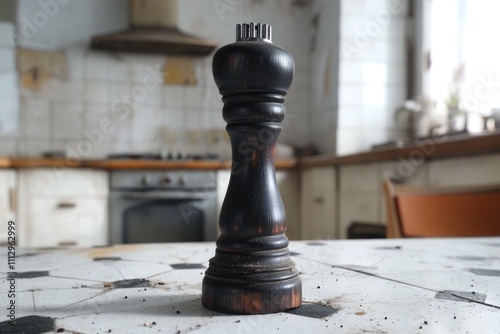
(352, 286)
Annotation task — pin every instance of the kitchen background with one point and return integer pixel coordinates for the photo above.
(357, 62)
(60, 89)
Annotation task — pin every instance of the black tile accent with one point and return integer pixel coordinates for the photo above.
(390, 247)
(294, 253)
(485, 272)
(32, 274)
(314, 243)
(455, 295)
(31, 324)
(316, 311)
(131, 283)
(27, 254)
(107, 258)
(187, 266)
(471, 258)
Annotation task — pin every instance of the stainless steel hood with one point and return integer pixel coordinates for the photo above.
(154, 30)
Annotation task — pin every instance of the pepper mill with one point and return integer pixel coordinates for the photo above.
(252, 271)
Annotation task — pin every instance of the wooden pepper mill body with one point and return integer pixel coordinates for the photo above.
(252, 271)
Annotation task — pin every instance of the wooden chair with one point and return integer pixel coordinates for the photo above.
(442, 212)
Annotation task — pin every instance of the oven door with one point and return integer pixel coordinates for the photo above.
(161, 216)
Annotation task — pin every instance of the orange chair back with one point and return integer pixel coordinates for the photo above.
(453, 212)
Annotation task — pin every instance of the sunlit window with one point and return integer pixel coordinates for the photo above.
(465, 72)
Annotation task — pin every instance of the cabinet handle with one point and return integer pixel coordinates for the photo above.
(12, 200)
(318, 200)
(66, 205)
(67, 243)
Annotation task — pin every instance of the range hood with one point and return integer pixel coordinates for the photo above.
(153, 29)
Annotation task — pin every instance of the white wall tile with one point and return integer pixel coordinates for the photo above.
(75, 56)
(9, 99)
(141, 66)
(67, 120)
(6, 31)
(93, 116)
(8, 147)
(62, 91)
(196, 96)
(7, 59)
(173, 96)
(97, 93)
(146, 124)
(350, 94)
(118, 91)
(118, 69)
(35, 118)
(9, 118)
(153, 96)
(33, 147)
(350, 117)
(96, 66)
(8, 86)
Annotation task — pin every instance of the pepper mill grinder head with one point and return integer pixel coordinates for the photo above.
(253, 64)
(252, 271)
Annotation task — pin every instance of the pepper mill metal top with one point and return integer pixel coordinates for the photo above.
(254, 32)
(252, 271)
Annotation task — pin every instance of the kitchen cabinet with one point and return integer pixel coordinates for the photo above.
(63, 207)
(318, 203)
(7, 200)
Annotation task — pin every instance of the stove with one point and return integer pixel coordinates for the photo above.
(157, 206)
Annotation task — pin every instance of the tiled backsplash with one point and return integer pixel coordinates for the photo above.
(75, 99)
(109, 103)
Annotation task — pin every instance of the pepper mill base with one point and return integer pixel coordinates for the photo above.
(251, 298)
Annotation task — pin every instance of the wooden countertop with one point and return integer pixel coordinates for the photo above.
(429, 149)
(127, 164)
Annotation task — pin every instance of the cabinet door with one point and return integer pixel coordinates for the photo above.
(318, 202)
(56, 221)
(7, 200)
(65, 181)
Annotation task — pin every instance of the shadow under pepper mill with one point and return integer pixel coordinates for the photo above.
(252, 271)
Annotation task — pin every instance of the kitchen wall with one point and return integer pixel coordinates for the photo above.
(359, 73)
(9, 93)
(350, 77)
(324, 46)
(90, 103)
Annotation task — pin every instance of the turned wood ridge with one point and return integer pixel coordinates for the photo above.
(252, 271)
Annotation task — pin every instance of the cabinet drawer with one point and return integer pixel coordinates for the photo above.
(65, 182)
(64, 220)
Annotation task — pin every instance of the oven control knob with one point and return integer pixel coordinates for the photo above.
(146, 181)
(182, 181)
(166, 180)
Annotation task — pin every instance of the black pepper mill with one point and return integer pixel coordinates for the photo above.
(252, 271)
